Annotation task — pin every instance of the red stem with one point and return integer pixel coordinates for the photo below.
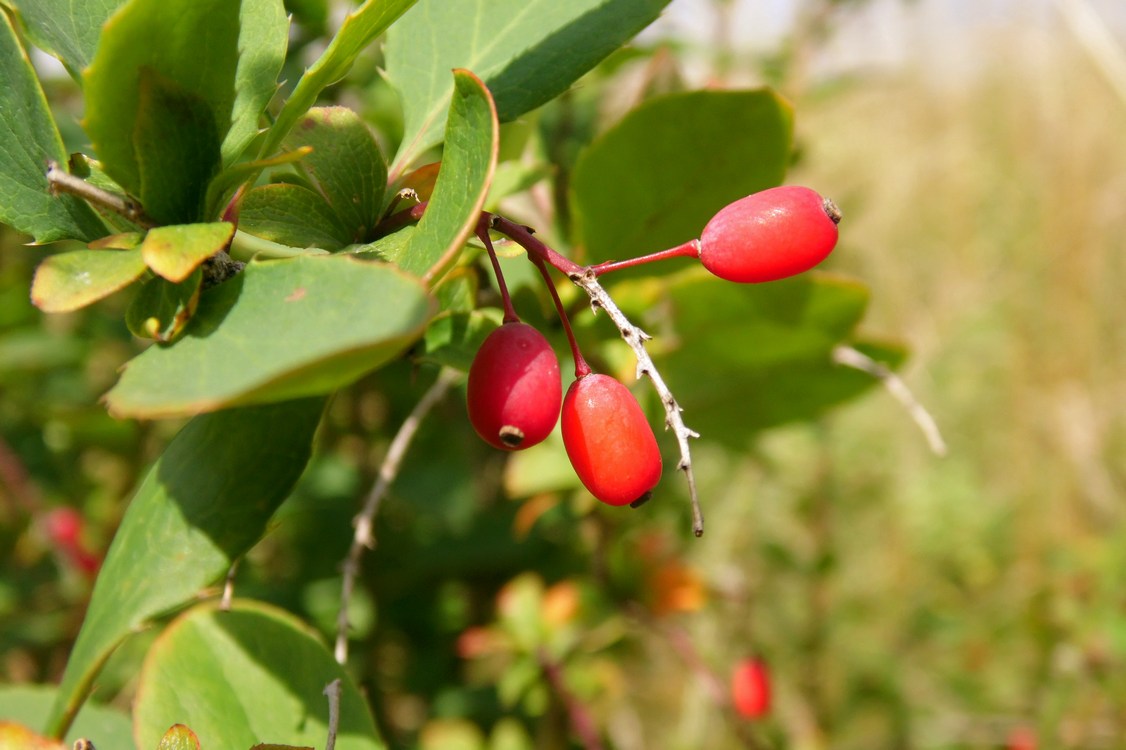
(400, 219)
(510, 315)
(522, 236)
(582, 369)
(690, 249)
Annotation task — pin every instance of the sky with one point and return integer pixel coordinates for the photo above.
(944, 34)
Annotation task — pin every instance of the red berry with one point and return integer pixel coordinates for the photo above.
(609, 441)
(750, 689)
(63, 527)
(514, 388)
(770, 235)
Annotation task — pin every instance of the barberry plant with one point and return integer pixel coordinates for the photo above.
(276, 247)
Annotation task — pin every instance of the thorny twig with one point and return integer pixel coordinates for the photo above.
(388, 470)
(586, 279)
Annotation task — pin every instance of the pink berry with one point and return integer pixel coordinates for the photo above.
(750, 689)
(514, 388)
(770, 235)
(609, 441)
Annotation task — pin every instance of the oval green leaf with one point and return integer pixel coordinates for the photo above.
(175, 251)
(750, 357)
(69, 281)
(345, 165)
(28, 139)
(468, 162)
(278, 330)
(203, 504)
(655, 179)
(526, 51)
(191, 44)
(251, 675)
(292, 215)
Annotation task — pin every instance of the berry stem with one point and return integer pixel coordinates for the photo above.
(523, 236)
(690, 249)
(582, 369)
(510, 315)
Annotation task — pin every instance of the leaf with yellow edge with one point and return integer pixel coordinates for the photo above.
(175, 251)
(70, 281)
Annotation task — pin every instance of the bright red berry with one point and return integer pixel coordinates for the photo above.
(609, 441)
(514, 388)
(750, 689)
(770, 235)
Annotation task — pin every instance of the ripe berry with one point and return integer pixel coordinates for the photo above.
(750, 689)
(770, 235)
(514, 389)
(609, 441)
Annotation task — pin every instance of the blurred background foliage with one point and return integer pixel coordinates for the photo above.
(900, 599)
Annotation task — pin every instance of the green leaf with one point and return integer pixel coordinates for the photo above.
(69, 281)
(655, 179)
(203, 504)
(162, 308)
(359, 29)
(175, 251)
(194, 45)
(278, 330)
(28, 139)
(750, 357)
(177, 149)
(345, 165)
(30, 704)
(292, 215)
(526, 51)
(468, 162)
(248, 675)
(262, 43)
(453, 338)
(66, 29)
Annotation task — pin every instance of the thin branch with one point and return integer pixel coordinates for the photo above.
(635, 338)
(388, 470)
(581, 721)
(332, 691)
(229, 587)
(61, 181)
(850, 357)
(586, 278)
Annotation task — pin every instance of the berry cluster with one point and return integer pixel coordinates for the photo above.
(514, 391)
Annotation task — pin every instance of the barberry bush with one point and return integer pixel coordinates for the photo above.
(354, 274)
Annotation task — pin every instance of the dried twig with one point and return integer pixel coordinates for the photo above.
(61, 181)
(858, 360)
(388, 470)
(635, 338)
(332, 691)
